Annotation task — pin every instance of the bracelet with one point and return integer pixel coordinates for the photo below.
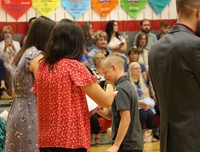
(105, 85)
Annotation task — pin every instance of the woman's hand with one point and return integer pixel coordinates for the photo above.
(143, 106)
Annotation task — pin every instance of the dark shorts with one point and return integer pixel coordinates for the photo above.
(122, 150)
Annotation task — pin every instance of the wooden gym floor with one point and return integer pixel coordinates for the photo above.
(148, 147)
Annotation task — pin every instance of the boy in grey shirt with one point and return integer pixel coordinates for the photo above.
(127, 133)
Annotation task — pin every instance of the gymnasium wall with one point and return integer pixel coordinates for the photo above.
(125, 21)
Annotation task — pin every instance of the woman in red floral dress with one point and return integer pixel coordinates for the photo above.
(61, 84)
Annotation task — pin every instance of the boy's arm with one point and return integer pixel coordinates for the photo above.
(123, 128)
(105, 112)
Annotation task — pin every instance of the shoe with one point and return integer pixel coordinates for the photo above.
(97, 142)
(6, 97)
(147, 139)
(154, 139)
(147, 135)
(4, 94)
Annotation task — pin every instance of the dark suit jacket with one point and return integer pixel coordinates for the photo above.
(174, 63)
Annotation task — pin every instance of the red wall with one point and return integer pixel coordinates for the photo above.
(21, 27)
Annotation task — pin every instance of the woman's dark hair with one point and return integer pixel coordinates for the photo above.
(66, 41)
(32, 18)
(139, 37)
(86, 30)
(37, 36)
(109, 30)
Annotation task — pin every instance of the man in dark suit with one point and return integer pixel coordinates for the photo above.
(174, 63)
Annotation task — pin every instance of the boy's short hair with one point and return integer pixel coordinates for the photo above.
(114, 58)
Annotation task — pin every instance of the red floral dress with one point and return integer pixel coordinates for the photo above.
(64, 120)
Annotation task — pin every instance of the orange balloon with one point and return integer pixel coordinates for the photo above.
(103, 7)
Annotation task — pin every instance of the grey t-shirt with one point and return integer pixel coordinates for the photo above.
(126, 99)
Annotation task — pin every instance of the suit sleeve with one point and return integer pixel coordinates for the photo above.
(196, 61)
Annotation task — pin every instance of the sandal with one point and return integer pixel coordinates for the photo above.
(4, 94)
(97, 142)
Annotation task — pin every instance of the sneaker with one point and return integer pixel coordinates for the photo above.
(147, 135)
(154, 139)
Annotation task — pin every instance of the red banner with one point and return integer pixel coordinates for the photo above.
(16, 8)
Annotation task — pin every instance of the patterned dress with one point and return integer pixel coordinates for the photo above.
(21, 134)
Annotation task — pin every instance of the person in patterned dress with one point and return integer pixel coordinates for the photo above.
(22, 125)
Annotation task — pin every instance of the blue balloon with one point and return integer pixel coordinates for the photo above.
(76, 7)
(158, 5)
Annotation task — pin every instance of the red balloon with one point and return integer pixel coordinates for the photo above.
(16, 8)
